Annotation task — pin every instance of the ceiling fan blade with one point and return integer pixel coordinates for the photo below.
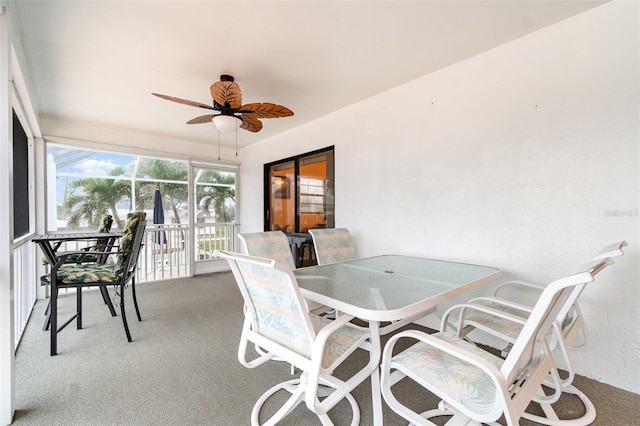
(250, 123)
(183, 101)
(227, 91)
(202, 119)
(266, 110)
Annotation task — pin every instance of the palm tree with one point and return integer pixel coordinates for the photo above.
(215, 196)
(173, 193)
(89, 199)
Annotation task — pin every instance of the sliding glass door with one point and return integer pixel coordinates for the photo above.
(299, 192)
(281, 211)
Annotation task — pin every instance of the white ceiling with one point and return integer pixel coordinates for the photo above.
(97, 62)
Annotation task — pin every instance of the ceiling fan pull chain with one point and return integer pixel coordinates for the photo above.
(218, 145)
(236, 141)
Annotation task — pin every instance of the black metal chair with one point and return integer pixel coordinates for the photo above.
(83, 275)
(96, 253)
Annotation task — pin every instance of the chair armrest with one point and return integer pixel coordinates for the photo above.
(507, 303)
(464, 307)
(324, 333)
(69, 253)
(446, 347)
(517, 283)
(94, 249)
(612, 250)
(63, 256)
(342, 388)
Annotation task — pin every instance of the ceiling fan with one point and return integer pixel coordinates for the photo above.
(227, 101)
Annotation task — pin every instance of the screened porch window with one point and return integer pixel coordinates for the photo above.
(84, 185)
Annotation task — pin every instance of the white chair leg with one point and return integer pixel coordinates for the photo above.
(355, 409)
(297, 396)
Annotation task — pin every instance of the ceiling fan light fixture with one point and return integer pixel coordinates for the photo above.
(226, 123)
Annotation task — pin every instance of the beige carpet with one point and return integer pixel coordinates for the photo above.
(182, 367)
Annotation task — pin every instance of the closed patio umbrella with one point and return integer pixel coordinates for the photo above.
(158, 217)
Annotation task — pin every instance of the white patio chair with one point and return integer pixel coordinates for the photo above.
(508, 289)
(274, 245)
(278, 320)
(567, 327)
(333, 245)
(270, 244)
(474, 385)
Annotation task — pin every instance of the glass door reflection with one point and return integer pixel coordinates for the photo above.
(299, 192)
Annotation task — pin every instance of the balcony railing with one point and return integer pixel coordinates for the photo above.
(168, 248)
(165, 253)
(215, 236)
(24, 283)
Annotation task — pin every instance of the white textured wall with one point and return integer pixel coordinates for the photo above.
(525, 157)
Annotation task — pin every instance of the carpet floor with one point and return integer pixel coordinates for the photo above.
(182, 367)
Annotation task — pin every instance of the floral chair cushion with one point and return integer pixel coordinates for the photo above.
(100, 273)
(107, 221)
(339, 343)
(92, 255)
(278, 312)
(333, 245)
(509, 330)
(126, 241)
(463, 381)
(90, 273)
(483, 320)
(280, 316)
(271, 245)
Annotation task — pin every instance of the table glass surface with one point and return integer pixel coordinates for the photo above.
(51, 243)
(70, 236)
(389, 283)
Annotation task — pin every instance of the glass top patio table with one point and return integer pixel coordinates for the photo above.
(49, 243)
(390, 287)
